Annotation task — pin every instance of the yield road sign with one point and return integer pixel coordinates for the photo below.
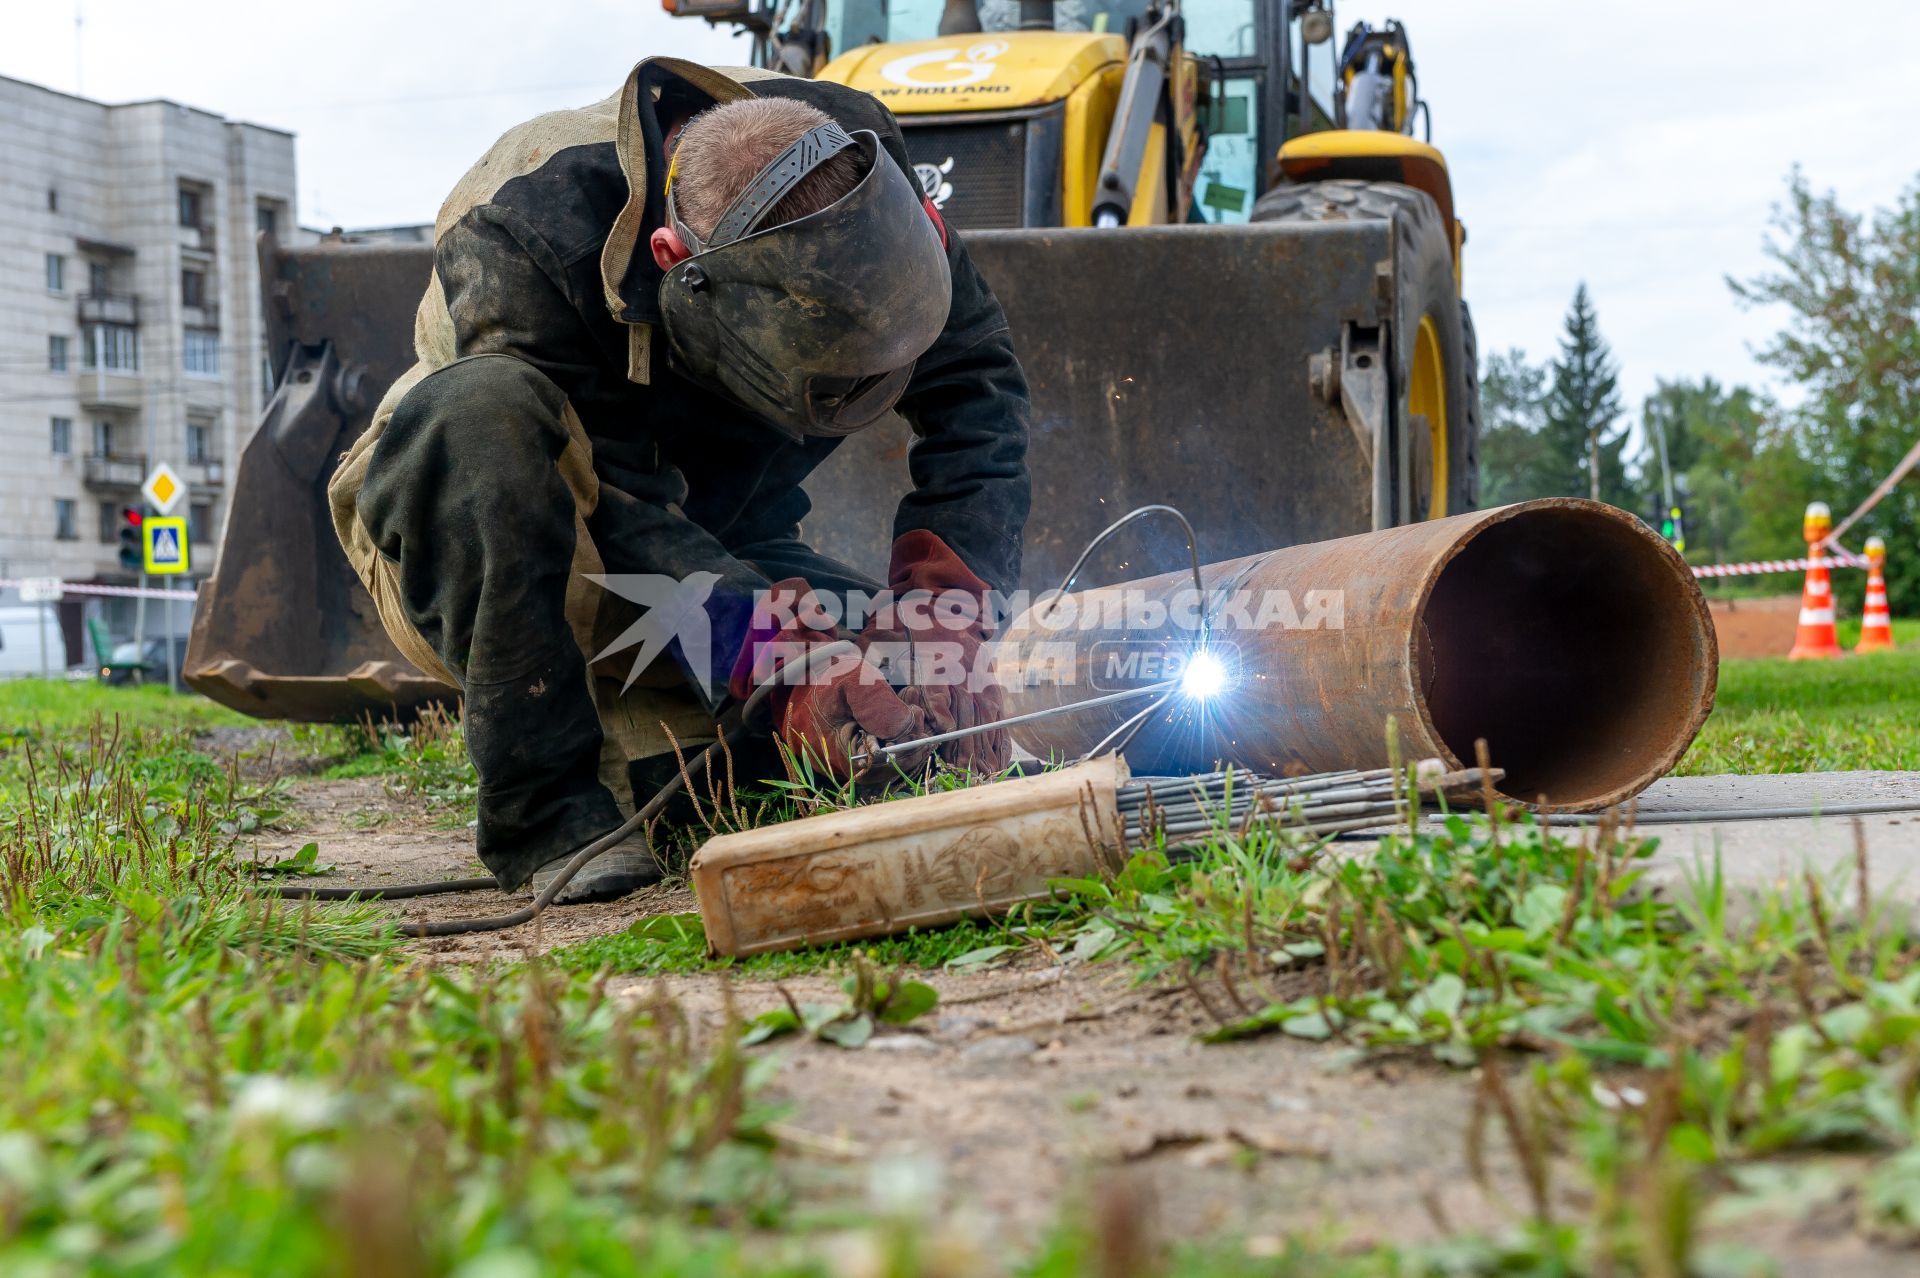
(165, 541)
(163, 490)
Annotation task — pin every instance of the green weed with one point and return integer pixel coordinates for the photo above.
(196, 1077)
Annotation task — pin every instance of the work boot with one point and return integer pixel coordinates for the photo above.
(625, 867)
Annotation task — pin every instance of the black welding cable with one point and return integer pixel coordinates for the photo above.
(815, 657)
(499, 922)
(1702, 816)
(1694, 816)
(527, 913)
(398, 892)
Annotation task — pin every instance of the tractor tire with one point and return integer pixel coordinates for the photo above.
(1470, 349)
(1435, 368)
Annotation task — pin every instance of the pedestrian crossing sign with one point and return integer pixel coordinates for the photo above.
(166, 544)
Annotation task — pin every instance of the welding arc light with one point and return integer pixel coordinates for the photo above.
(1205, 676)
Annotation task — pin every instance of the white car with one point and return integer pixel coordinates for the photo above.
(21, 629)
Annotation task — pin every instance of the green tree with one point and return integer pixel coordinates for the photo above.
(1514, 463)
(1583, 405)
(1736, 467)
(1851, 288)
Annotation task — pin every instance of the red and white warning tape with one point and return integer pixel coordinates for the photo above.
(1841, 559)
(117, 592)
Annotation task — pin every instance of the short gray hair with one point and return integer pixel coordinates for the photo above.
(723, 148)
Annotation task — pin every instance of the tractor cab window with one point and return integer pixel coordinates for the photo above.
(1220, 28)
(1068, 15)
(869, 21)
(1319, 64)
(1230, 174)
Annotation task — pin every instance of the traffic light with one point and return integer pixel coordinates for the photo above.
(132, 554)
(1673, 526)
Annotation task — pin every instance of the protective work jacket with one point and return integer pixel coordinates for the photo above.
(541, 254)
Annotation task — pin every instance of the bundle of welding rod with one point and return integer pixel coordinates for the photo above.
(1187, 810)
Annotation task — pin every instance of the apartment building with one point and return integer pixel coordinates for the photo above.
(130, 326)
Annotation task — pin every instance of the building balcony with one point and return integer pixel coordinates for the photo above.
(114, 471)
(204, 316)
(196, 237)
(109, 308)
(109, 388)
(207, 474)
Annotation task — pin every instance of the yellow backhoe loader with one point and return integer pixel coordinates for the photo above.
(1232, 273)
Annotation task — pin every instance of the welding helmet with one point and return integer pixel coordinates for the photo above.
(812, 324)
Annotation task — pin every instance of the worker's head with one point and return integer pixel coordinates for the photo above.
(803, 273)
(719, 152)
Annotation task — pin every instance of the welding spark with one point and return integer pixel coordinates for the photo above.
(1205, 676)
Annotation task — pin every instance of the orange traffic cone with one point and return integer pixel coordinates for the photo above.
(1816, 637)
(1876, 625)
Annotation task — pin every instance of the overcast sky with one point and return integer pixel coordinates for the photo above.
(1635, 144)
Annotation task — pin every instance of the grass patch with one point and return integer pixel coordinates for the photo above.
(674, 944)
(425, 760)
(1777, 715)
(45, 718)
(1689, 1045)
(55, 706)
(195, 1078)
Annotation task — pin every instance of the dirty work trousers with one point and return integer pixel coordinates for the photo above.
(482, 500)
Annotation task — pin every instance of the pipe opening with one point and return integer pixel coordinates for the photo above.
(1574, 646)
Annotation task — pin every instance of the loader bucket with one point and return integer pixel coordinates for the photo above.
(1168, 364)
(1232, 371)
(284, 629)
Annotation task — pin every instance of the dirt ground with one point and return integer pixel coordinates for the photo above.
(1033, 1086)
(1755, 627)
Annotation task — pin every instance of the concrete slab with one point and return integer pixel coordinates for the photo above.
(1763, 854)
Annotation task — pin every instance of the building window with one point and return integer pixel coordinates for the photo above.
(99, 278)
(115, 347)
(102, 437)
(56, 273)
(65, 527)
(199, 439)
(109, 529)
(53, 200)
(266, 218)
(62, 436)
(200, 522)
(190, 203)
(56, 353)
(201, 354)
(193, 288)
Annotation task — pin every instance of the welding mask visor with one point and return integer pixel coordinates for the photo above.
(814, 324)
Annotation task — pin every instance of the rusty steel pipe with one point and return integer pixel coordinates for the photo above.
(1564, 632)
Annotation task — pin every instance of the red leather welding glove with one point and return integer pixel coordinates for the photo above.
(828, 713)
(930, 638)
